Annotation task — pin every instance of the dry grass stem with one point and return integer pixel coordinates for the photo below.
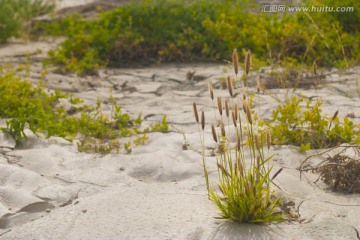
(195, 112)
(315, 68)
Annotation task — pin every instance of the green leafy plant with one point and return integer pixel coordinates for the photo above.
(27, 106)
(161, 127)
(300, 122)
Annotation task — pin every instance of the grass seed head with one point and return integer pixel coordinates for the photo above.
(230, 86)
(244, 106)
(222, 127)
(247, 62)
(236, 110)
(257, 141)
(219, 101)
(258, 85)
(227, 108)
(211, 89)
(238, 143)
(213, 131)
(235, 62)
(234, 118)
(248, 114)
(202, 120)
(268, 139)
(335, 115)
(195, 112)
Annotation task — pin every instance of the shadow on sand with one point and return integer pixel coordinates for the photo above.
(234, 231)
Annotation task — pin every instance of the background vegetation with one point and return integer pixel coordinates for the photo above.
(16, 16)
(166, 31)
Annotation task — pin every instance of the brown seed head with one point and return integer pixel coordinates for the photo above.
(244, 106)
(247, 62)
(219, 101)
(230, 85)
(335, 115)
(240, 166)
(214, 132)
(211, 91)
(268, 139)
(234, 118)
(258, 162)
(202, 120)
(248, 114)
(195, 112)
(315, 68)
(277, 173)
(222, 127)
(227, 108)
(258, 86)
(257, 141)
(238, 143)
(235, 62)
(236, 110)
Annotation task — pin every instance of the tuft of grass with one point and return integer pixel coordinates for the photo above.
(243, 193)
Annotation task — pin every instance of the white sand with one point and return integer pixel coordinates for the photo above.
(48, 190)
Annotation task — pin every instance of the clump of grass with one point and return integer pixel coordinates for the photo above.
(243, 193)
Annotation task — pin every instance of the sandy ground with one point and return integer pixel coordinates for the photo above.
(48, 190)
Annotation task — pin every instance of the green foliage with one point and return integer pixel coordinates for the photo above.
(27, 106)
(301, 122)
(167, 31)
(16, 15)
(161, 127)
